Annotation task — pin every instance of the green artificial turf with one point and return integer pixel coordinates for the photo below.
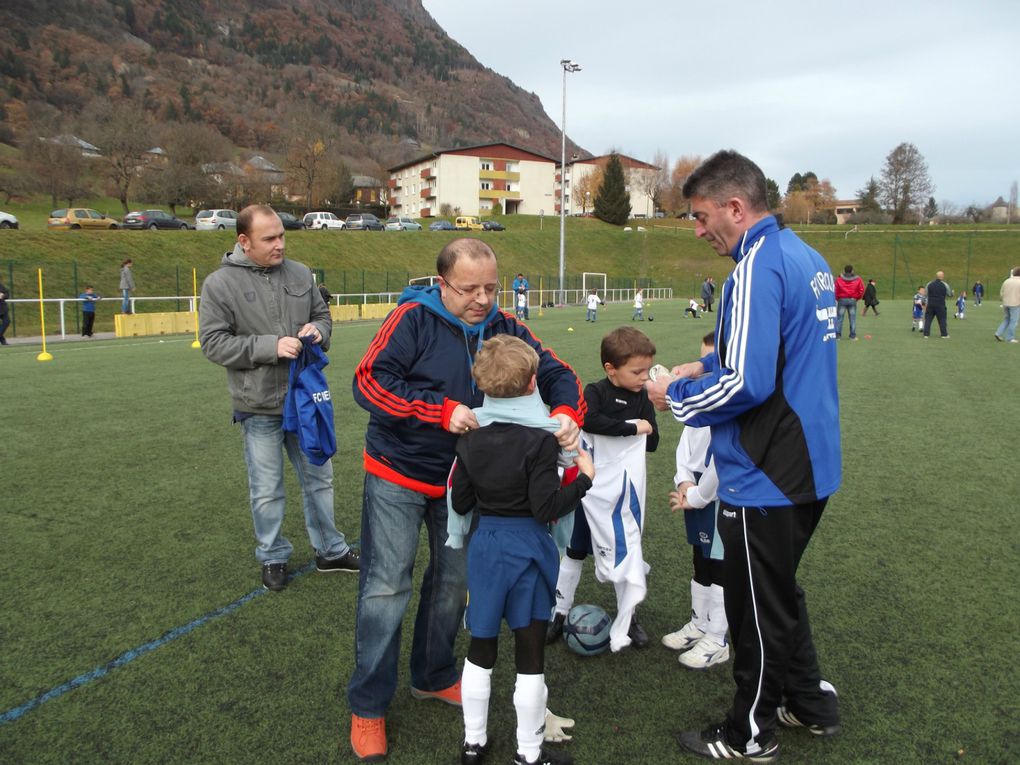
(125, 516)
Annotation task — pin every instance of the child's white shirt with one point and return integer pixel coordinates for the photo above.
(639, 301)
(593, 302)
(694, 304)
(691, 454)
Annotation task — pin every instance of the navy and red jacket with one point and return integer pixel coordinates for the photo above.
(418, 369)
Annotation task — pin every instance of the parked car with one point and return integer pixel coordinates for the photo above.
(468, 223)
(492, 225)
(8, 221)
(320, 221)
(363, 222)
(290, 223)
(441, 225)
(154, 219)
(402, 224)
(79, 218)
(215, 220)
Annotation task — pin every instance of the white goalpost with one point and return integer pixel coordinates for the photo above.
(591, 279)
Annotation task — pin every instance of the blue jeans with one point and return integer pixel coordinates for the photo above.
(846, 305)
(591, 315)
(391, 519)
(264, 444)
(125, 305)
(1007, 330)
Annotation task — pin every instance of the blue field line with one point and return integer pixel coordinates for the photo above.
(129, 656)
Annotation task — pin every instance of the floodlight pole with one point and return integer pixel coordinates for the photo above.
(568, 66)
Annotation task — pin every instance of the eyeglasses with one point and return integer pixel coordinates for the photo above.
(489, 290)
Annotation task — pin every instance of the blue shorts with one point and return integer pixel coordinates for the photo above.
(702, 531)
(512, 569)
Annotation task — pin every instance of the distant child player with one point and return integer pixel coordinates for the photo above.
(703, 638)
(594, 301)
(619, 428)
(507, 472)
(639, 307)
(522, 305)
(961, 306)
(88, 299)
(693, 306)
(920, 300)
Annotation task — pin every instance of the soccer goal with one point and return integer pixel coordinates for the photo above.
(590, 279)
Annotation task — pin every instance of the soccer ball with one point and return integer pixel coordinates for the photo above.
(586, 630)
(651, 318)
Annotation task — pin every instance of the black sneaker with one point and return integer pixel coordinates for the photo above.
(555, 629)
(789, 720)
(636, 633)
(349, 563)
(545, 757)
(474, 754)
(274, 576)
(711, 743)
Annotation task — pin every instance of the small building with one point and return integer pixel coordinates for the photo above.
(639, 176)
(368, 191)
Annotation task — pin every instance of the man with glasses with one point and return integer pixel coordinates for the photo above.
(415, 381)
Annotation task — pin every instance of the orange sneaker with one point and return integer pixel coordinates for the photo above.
(368, 738)
(449, 695)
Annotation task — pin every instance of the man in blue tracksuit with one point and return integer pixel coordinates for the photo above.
(769, 393)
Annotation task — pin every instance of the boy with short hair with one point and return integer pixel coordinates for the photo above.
(619, 427)
(507, 472)
(920, 300)
(88, 299)
(961, 306)
(703, 638)
(594, 301)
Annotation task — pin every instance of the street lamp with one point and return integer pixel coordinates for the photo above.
(568, 66)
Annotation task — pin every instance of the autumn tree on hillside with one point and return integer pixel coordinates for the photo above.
(181, 180)
(122, 133)
(810, 201)
(587, 187)
(682, 170)
(311, 150)
(655, 183)
(612, 204)
(54, 169)
(905, 181)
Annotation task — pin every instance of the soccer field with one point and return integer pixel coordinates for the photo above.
(134, 628)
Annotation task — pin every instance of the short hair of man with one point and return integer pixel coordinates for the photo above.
(623, 344)
(246, 217)
(727, 174)
(475, 249)
(504, 366)
(848, 269)
(1016, 271)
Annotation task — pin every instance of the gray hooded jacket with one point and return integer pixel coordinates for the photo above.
(245, 310)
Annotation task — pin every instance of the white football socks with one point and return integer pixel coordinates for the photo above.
(566, 583)
(475, 688)
(701, 600)
(716, 624)
(530, 696)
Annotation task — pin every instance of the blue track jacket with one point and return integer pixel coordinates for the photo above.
(770, 389)
(415, 372)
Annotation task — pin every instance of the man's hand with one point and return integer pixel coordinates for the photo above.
(657, 392)
(462, 420)
(288, 348)
(691, 369)
(310, 330)
(569, 435)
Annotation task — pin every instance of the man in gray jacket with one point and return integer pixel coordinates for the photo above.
(254, 310)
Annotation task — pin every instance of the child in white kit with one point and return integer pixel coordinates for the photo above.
(703, 638)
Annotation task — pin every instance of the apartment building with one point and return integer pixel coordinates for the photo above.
(582, 179)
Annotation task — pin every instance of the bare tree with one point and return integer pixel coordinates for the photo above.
(905, 183)
(681, 172)
(181, 179)
(1012, 203)
(310, 144)
(587, 188)
(55, 169)
(121, 132)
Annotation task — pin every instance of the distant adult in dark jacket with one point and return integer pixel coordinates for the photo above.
(938, 290)
(870, 298)
(978, 292)
(5, 320)
(708, 293)
(327, 296)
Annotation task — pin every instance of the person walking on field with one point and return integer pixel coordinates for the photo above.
(1010, 294)
(255, 313)
(870, 298)
(937, 290)
(127, 285)
(978, 292)
(849, 289)
(769, 392)
(5, 320)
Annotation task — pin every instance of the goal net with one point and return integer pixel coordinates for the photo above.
(591, 279)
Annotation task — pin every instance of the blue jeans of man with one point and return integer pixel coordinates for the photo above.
(125, 304)
(391, 519)
(846, 306)
(1007, 330)
(264, 444)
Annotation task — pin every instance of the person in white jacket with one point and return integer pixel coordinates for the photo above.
(703, 639)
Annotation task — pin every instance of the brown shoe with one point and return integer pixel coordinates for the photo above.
(368, 738)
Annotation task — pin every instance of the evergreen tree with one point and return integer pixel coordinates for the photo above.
(612, 203)
(772, 194)
(931, 210)
(869, 196)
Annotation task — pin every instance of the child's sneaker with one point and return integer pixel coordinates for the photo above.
(683, 638)
(545, 757)
(474, 754)
(712, 744)
(555, 629)
(704, 654)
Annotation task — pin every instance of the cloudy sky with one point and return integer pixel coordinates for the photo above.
(794, 84)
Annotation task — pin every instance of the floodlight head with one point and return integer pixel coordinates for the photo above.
(570, 66)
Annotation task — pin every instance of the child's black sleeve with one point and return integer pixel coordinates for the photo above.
(462, 490)
(648, 413)
(597, 422)
(547, 498)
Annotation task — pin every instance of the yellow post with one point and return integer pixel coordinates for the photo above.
(541, 297)
(44, 356)
(194, 293)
